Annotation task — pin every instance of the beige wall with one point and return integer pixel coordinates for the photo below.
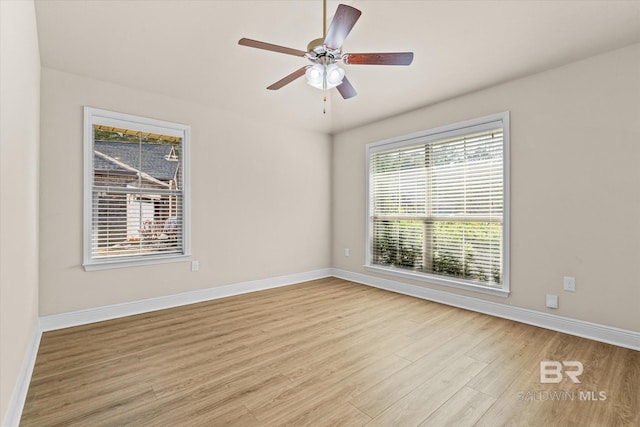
(19, 141)
(575, 185)
(260, 198)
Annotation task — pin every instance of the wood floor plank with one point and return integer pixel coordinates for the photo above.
(463, 409)
(518, 358)
(329, 413)
(325, 352)
(425, 399)
(334, 383)
(386, 393)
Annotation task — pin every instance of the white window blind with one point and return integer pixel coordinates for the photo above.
(437, 204)
(135, 190)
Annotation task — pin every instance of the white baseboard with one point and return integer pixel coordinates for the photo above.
(607, 334)
(98, 314)
(19, 395)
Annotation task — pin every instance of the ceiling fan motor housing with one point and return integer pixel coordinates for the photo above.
(322, 54)
(315, 43)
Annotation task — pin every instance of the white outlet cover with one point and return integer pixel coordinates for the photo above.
(569, 284)
(552, 301)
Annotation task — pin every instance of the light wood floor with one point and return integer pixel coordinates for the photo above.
(327, 352)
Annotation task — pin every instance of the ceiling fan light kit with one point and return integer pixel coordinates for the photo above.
(325, 52)
(324, 76)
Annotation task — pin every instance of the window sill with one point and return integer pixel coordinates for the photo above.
(109, 265)
(438, 280)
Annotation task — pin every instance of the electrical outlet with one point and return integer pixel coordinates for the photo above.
(552, 301)
(570, 284)
(347, 252)
(195, 266)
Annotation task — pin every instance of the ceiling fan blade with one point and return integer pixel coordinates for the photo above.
(395, 58)
(341, 25)
(272, 47)
(288, 79)
(346, 90)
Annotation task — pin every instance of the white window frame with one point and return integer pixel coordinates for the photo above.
(95, 116)
(430, 135)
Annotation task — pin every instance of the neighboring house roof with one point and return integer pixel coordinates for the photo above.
(154, 158)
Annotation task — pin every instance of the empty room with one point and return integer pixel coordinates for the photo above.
(312, 212)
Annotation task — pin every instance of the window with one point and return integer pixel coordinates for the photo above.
(438, 205)
(136, 190)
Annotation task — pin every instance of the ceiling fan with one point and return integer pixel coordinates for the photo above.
(325, 52)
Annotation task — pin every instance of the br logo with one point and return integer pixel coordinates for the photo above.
(551, 371)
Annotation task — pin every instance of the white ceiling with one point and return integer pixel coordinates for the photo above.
(189, 49)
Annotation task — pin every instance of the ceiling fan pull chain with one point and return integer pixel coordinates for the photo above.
(324, 106)
(324, 85)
